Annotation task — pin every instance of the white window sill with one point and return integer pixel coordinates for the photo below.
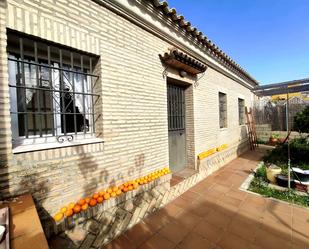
(55, 145)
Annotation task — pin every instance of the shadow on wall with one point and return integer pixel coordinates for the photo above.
(106, 223)
(212, 214)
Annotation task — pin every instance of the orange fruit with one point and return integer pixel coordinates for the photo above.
(69, 213)
(87, 200)
(93, 202)
(77, 209)
(100, 199)
(126, 184)
(109, 190)
(81, 202)
(115, 189)
(95, 196)
(107, 196)
(102, 193)
(85, 206)
(130, 187)
(58, 217)
(135, 185)
(118, 192)
(121, 187)
(113, 194)
(63, 210)
(71, 205)
(125, 189)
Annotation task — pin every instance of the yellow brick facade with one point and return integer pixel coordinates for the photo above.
(133, 105)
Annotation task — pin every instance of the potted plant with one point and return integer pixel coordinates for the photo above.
(282, 179)
(271, 172)
(274, 138)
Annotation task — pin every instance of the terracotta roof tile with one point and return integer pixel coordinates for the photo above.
(214, 49)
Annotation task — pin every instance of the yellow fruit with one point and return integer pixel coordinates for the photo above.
(63, 210)
(58, 217)
(71, 205)
(113, 194)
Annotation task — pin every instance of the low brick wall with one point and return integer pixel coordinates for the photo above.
(107, 221)
(264, 131)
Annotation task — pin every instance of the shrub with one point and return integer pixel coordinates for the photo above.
(301, 121)
(299, 153)
(261, 173)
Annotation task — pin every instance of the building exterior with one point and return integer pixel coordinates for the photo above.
(88, 99)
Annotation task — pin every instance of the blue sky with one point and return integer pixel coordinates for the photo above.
(268, 38)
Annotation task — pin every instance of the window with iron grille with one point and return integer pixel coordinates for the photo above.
(51, 90)
(176, 108)
(222, 110)
(241, 111)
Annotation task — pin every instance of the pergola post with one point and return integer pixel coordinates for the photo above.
(288, 138)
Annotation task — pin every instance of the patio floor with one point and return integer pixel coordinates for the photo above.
(216, 214)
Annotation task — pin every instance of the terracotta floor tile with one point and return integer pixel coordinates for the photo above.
(120, 242)
(300, 225)
(172, 210)
(218, 219)
(231, 241)
(157, 221)
(209, 231)
(232, 201)
(300, 236)
(300, 213)
(278, 207)
(219, 188)
(200, 188)
(240, 228)
(139, 234)
(174, 232)
(158, 242)
(216, 214)
(200, 208)
(268, 240)
(188, 220)
(252, 208)
(190, 196)
(237, 194)
(180, 202)
(195, 241)
(278, 229)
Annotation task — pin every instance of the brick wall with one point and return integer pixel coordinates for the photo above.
(133, 121)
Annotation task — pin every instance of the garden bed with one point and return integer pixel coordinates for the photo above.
(257, 182)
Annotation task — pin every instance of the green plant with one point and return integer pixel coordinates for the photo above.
(301, 121)
(285, 171)
(261, 173)
(299, 153)
(260, 141)
(288, 195)
(275, 135)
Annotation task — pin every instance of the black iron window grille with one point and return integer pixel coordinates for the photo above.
(51, 90)
(176, 108)
(241, 111)
(222, 110)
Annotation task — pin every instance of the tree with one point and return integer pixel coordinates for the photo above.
(301, 121)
